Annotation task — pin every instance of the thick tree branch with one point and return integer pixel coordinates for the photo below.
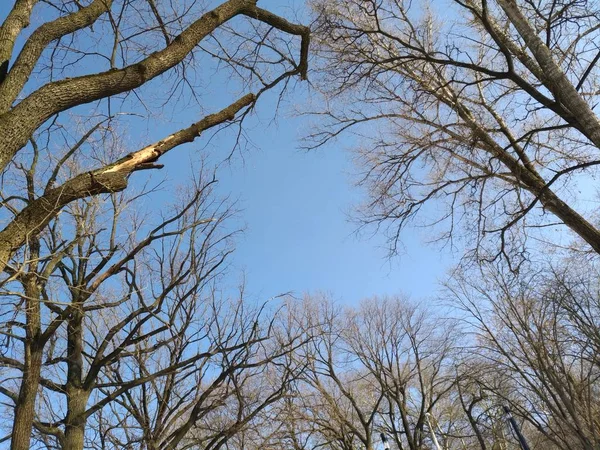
(281, 24)
(17, 19)
(35, 45)
(17, 125)
(554, 78)
(532, 181)
(109, 179)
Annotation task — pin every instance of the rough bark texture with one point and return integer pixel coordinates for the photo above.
(39, 40)
(77, 395)
(112, 178)
(17, 19)
(17, 125)
(25, 407)
(553, 77)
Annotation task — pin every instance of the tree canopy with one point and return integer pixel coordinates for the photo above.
(119, 326)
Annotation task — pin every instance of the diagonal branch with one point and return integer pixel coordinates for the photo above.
(17, 125)
(39, 40)
(554, 78)
(108, 179)
(17, 19)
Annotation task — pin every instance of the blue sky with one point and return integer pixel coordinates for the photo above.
(294, 204)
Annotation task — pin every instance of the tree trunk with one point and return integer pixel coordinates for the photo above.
(35, 45)
(18, 125)
(108, 179)
(77, 394)
(17, 19)
(554, 78)
(75, 420)
(25, 407)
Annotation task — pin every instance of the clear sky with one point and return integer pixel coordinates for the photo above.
(294, 204)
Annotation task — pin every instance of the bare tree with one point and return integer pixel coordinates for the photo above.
(95, 292)
(534, 352)
(386, 365)
(125, 328)
(482, 422)
(132, 43)
(337, 398)
(485, 107)
(408, 353)
(216, 403)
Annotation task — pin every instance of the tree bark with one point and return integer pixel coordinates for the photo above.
(39, 40)
(17, 19)
(109, 179)
(553, 77)
(76, 419)
(77, 395)
(17, 125)
(25, 407)
(530, 179)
